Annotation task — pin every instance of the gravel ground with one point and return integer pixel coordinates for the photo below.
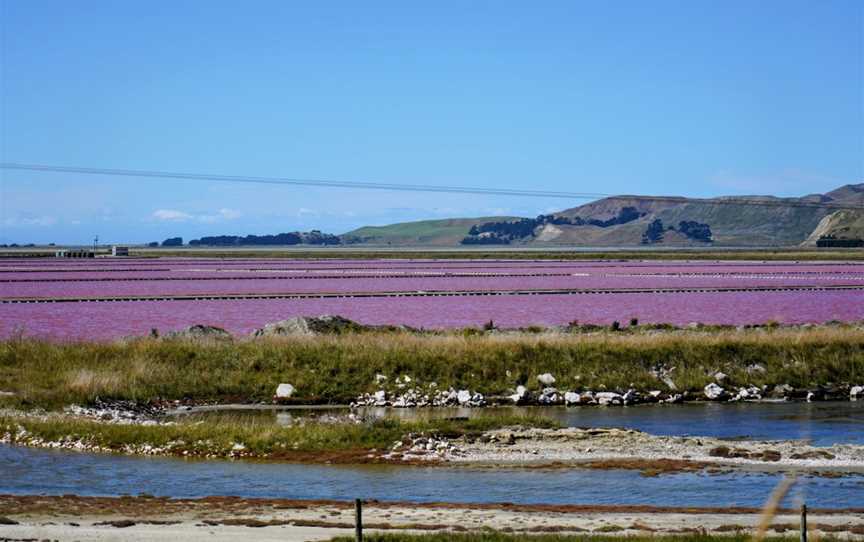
(531, 446)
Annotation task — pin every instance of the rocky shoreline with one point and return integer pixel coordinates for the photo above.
(408, 394)
(511, 446)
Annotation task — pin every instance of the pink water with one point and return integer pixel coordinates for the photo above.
(403, 283)
(107, 320)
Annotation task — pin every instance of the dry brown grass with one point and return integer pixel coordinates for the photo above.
(338, 368)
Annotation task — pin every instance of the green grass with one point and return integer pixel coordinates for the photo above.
(448, 231)
(217, 436)
(335, 369)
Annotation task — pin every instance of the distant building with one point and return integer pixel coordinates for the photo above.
(74, 253)
(119, 251)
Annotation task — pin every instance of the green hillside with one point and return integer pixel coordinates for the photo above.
(447, 232)
(623, 221)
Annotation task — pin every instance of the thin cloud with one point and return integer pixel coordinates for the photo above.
(30, 221)
(173, 215)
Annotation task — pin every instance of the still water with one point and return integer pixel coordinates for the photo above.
(34, 471)
(824, 424)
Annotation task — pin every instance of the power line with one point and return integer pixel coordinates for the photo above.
(403, 187)
(301, 182)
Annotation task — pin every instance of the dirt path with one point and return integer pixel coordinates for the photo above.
(215, 519)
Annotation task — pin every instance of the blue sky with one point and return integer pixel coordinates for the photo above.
(695, 98)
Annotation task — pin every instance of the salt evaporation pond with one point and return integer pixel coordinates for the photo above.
(751, 293)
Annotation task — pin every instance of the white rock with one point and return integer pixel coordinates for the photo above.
(520, 396)
(810, 396)
(380, 379)
(452, 397)
(856, 392)
(549, 396)
(609, 398)
(714, 392)
(572, 398)
(749, 393)
(284, 391)
(463, 396)
(546, 379)
(720, 376)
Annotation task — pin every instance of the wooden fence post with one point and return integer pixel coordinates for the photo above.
(358, 520)
(803, 523)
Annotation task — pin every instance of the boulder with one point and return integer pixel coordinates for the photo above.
(857, 392)
(521, 396)
(549, 396)
(782, 391)
(572, 398)
(750, 393)
(463, 396)
(714, 392)
(630, 397)
(304, 325)
(546, 379)
(284, 391)
(609, 398)
(720, 376)
(199, 332)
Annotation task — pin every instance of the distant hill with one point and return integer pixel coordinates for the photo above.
(448, 232)
(619, 221)
(846, 225)
(634, 221)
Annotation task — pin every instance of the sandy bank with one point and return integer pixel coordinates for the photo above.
(227, 518)
(622, 447)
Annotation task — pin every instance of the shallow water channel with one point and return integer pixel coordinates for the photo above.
(823, 424)
(35, 471)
